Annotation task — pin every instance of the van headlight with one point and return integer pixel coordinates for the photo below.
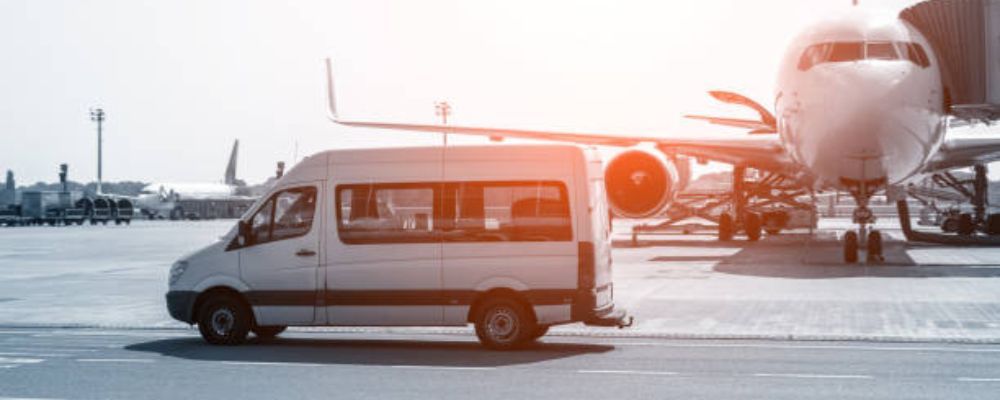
(177, 270)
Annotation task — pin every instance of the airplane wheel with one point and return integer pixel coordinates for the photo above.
(875, 247)
(751, 224)
(851, 247)
(725, 228)
(965, 225)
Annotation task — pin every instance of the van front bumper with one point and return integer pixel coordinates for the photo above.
(180, 305)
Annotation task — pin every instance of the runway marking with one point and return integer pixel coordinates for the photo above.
(116, 360)
(433, 367)
(812, 347)
(25, 398)
(28, 354)
(5, 360)
(60, 350)
(812, 376)
(625, 372)
(967, 379)
(271, 363)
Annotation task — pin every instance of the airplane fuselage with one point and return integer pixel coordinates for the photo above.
(159, 199)
(860, 102)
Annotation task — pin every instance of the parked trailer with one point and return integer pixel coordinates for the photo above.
(122, 212)
(101, 212)
(11, 216)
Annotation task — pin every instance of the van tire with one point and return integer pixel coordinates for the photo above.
(504, 324)
(540, 331)
(268, 332)
(224, 320)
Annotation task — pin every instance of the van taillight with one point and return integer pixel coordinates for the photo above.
(585, 270)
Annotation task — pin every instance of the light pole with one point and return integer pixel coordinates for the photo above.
(443, 109)
(97, 115)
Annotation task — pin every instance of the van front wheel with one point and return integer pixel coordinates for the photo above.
(224, 320)
(268, 332)
(504, 324)
(540, 331)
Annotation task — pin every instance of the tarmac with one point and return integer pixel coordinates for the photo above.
(791, 286)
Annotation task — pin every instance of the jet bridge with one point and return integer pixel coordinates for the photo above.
(965, 35)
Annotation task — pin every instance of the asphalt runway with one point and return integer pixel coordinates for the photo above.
(170, 364)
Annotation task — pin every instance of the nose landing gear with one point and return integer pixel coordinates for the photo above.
(872, 240)
(864, 218)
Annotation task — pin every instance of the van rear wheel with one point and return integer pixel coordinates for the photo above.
(224, 320)
(504, 324)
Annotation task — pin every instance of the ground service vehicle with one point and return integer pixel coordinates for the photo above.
(513, 239)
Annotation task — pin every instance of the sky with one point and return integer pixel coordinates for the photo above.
(180, 80)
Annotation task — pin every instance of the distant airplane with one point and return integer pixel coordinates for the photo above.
(862, 105)
(160, 200)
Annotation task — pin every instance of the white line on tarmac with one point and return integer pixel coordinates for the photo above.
(812, 347)
(432, 367)
(53, 348)
(813, 376)
(625, 372)
(266, 363)
(29, 354)
(116, 360)
(24, 398)
(967, 379)
(5, 360)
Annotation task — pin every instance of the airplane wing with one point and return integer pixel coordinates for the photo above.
(962, 152)
(755, 152)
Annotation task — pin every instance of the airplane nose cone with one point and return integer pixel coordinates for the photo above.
(867, 128)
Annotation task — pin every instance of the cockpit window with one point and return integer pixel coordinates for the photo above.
(881, 51)
(856, 51)
(841, 52)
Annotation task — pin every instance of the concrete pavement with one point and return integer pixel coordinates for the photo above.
(678, 286)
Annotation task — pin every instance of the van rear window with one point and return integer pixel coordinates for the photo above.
(506, 212)
(453, 212)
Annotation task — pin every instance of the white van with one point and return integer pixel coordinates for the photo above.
(513, 239)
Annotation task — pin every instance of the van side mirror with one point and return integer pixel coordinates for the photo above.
(243, 232)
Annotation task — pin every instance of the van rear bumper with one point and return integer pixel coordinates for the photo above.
(180, 305)
(585, 309)
(612, 317)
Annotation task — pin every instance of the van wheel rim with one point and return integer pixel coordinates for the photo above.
(502, 324)
(223, 321)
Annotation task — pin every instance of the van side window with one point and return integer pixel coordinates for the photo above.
(386, 213)
(506, 211)
(287, 214)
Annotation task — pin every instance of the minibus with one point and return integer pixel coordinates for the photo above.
(513, 239)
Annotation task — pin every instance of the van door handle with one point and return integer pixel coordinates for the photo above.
(305, 253)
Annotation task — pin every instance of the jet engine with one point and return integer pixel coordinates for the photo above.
(642, 183)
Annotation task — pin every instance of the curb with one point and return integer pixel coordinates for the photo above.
(557, 332)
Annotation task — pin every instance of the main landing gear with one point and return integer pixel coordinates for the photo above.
(754, 206)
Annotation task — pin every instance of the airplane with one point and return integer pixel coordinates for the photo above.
(159, 200)
(862, 105)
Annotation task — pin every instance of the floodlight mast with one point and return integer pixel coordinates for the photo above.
(97, 115)
(443, 110)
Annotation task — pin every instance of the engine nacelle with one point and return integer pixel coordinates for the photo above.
(641, 183)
